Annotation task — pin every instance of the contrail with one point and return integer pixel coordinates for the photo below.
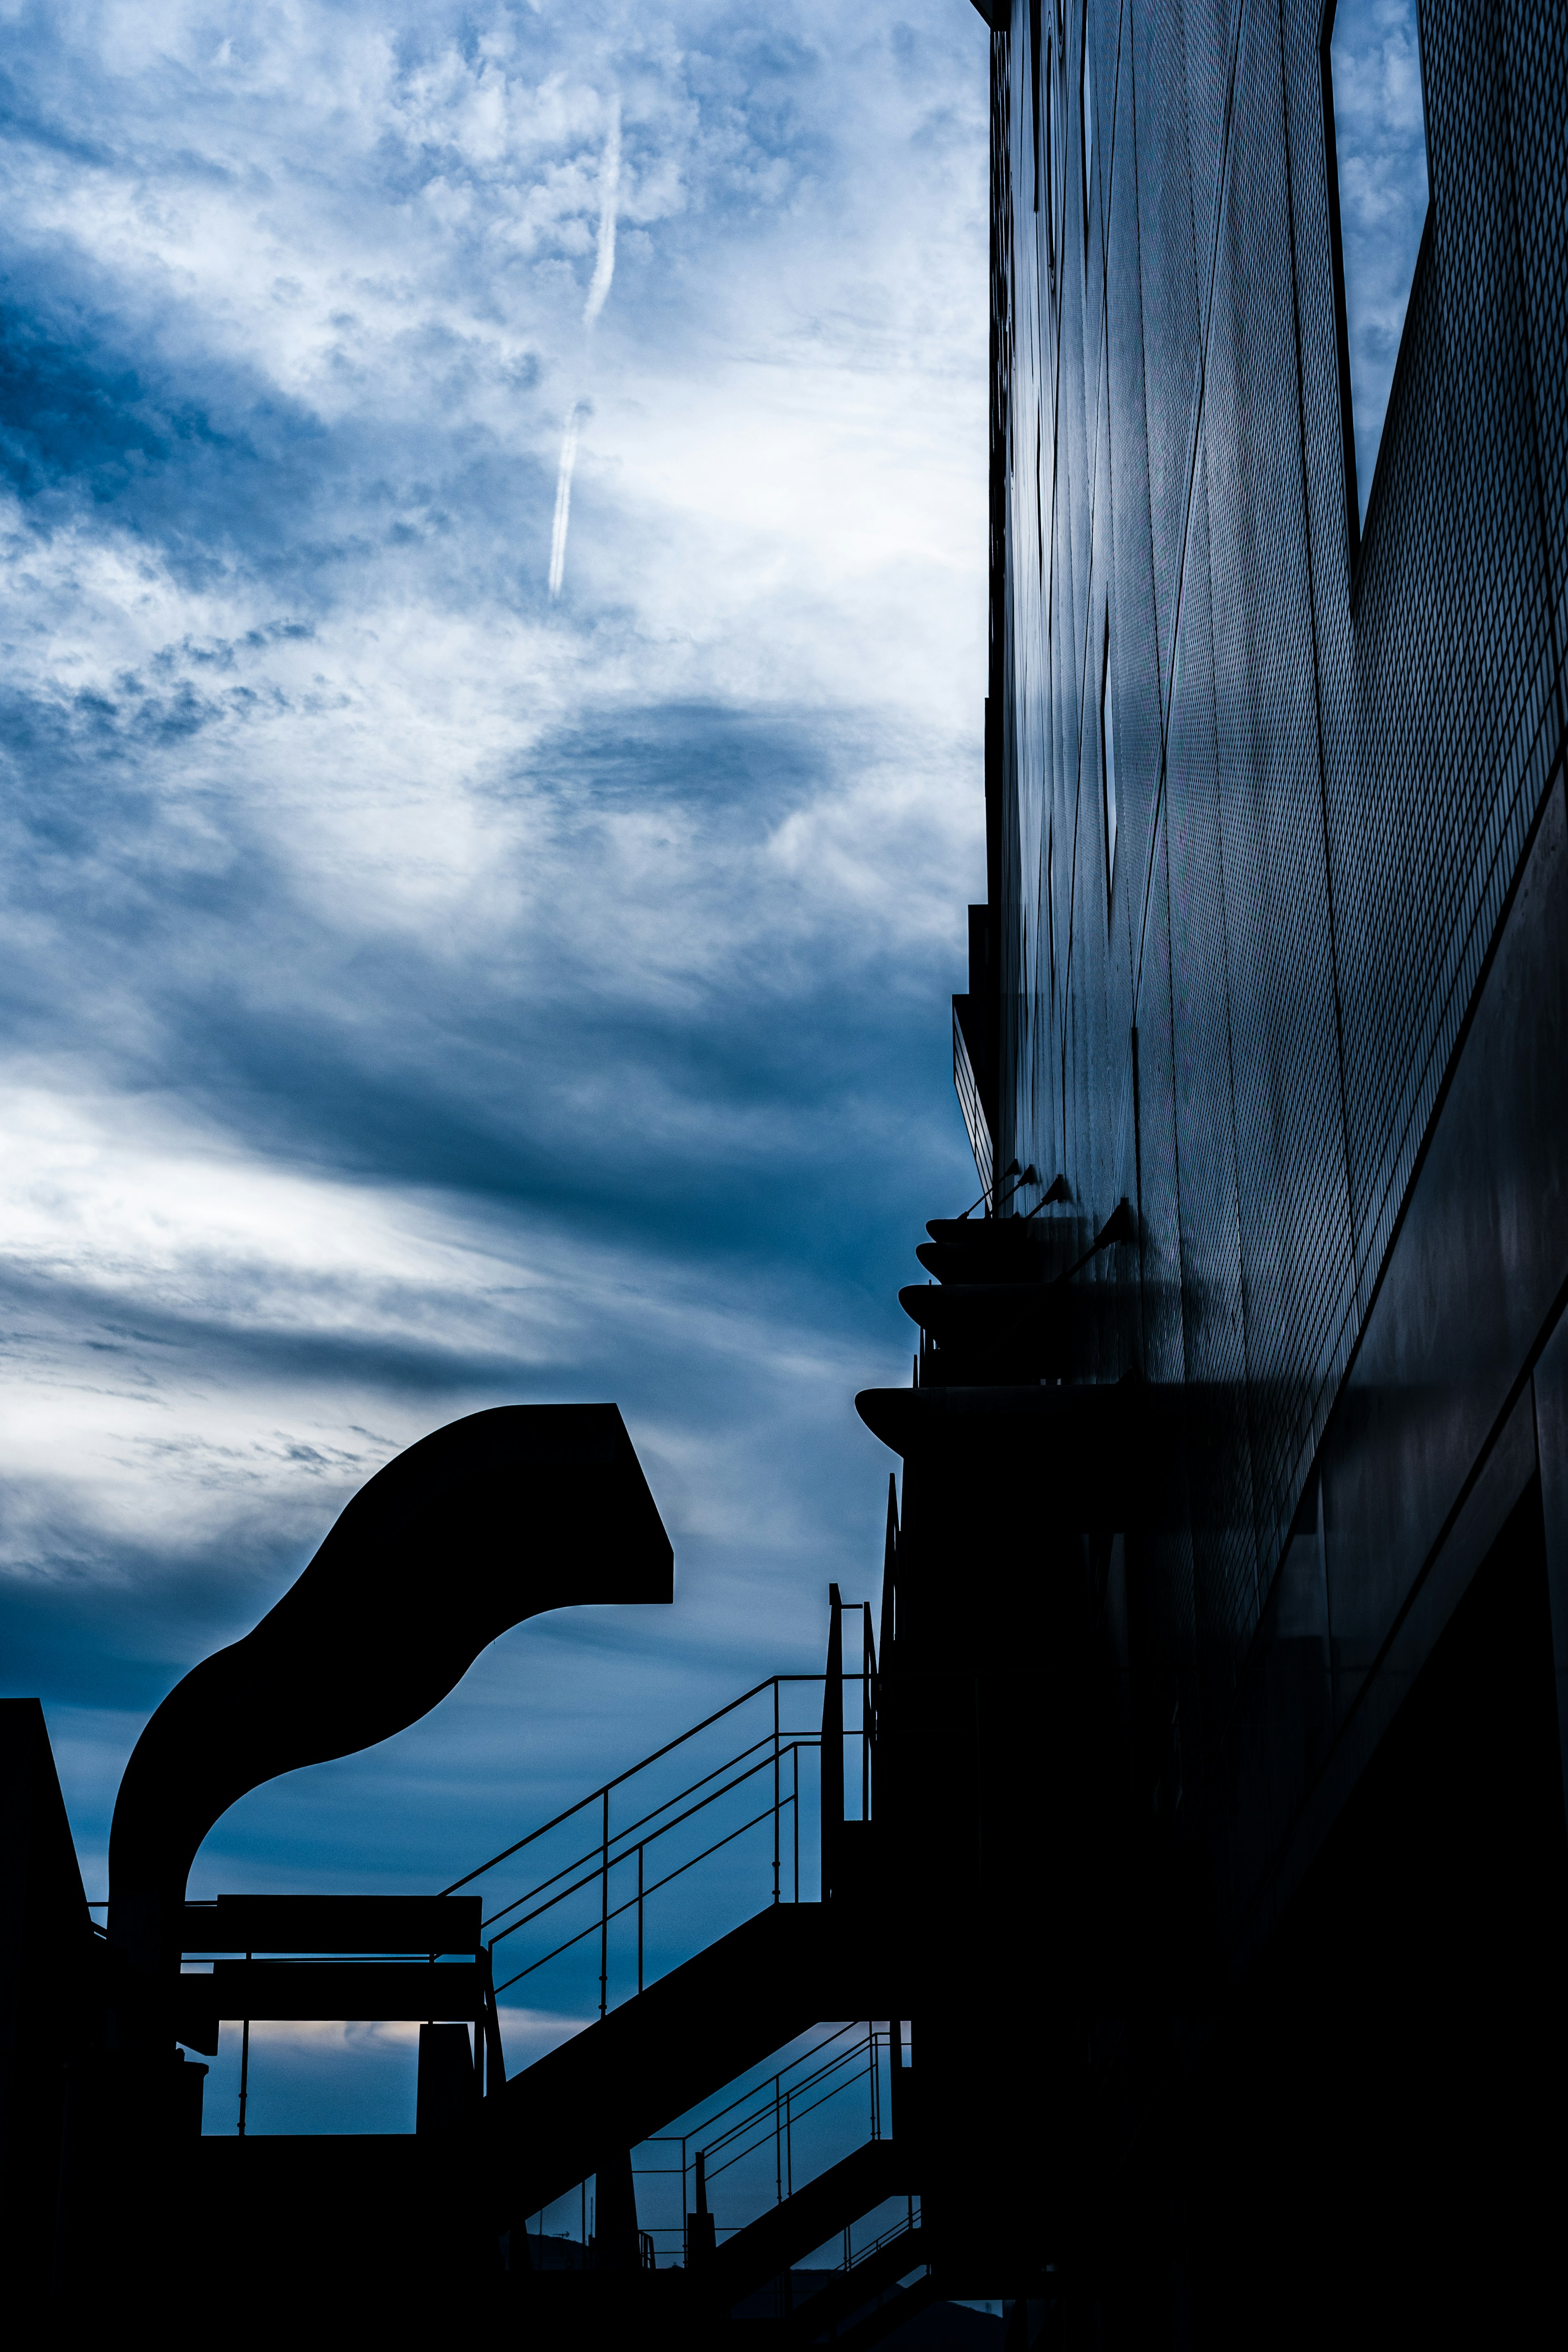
(599, 287)
(609, 183)
(562, 502)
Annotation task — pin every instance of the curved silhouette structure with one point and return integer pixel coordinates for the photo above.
(494, 1518)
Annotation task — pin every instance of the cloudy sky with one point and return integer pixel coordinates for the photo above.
(1380, 143)
(425, 989)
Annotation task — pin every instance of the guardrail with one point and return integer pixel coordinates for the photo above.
(612, 1869)
(854, 2057)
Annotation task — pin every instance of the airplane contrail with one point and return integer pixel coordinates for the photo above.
(562, 502)
(609, 186)
(598, 290)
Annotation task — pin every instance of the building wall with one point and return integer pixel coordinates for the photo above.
(1332, 750)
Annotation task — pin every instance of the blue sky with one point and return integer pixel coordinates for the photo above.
(424, 993)
(1379, 139)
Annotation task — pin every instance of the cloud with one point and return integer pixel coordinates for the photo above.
(598, 292)
(604, 245)
(563, 498)
(424, 994)
(1380, 138)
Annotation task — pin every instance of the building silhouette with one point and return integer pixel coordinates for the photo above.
(1183, 1838)
(1271, 981)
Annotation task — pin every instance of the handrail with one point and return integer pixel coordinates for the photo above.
(718, 1715)
(883, 2237)
(633, 1902)
(616, 1859)
(789, 2095)
(742, 2097)
(621, 1843)
(793, 2112)
(628, 1837)
(775, 2107)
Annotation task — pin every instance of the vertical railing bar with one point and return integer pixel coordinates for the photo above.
(794, 1808)
(776, 1787)
(865, 1715)
(639, 1918)
(872, 2048)
(495, 2064)
(830, 1808)
(244, 2070)
(895, 2068)
(778, 2145)
(604, 1910)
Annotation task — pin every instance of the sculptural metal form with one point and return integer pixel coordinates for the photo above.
(492, 1519)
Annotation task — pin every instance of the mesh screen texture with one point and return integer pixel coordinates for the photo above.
(1332, 742)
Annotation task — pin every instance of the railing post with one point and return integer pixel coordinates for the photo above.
(495, 2064)
(244, 2070)
(776, 1787)
(832, 1775)
(876, 2104)
(639, 1916)
(604, 1910)
(795, 1812)
(778, 2141)
(895, 2070)
(867, 1719)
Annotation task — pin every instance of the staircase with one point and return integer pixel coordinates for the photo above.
(735, 2072)
(579, 1893)
(871, 2279)
(675, 2045)
(781, 2237)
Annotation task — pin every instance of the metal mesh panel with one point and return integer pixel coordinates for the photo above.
(1329, 757)
(1291, 1177)
(975, 1121)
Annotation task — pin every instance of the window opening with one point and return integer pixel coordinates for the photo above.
(1379, 197)
(1107, 762)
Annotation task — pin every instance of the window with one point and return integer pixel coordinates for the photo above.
(1376, 128)
(1107, 762)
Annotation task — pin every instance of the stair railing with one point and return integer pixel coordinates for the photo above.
(772, 2110)
(833, 1733)
(773, 1757)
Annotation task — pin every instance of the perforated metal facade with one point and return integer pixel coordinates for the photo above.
(1328, 756)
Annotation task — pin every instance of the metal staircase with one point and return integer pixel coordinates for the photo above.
(666, 2050)
(664, 2084)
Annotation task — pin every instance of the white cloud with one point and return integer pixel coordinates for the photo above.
(422, 993)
